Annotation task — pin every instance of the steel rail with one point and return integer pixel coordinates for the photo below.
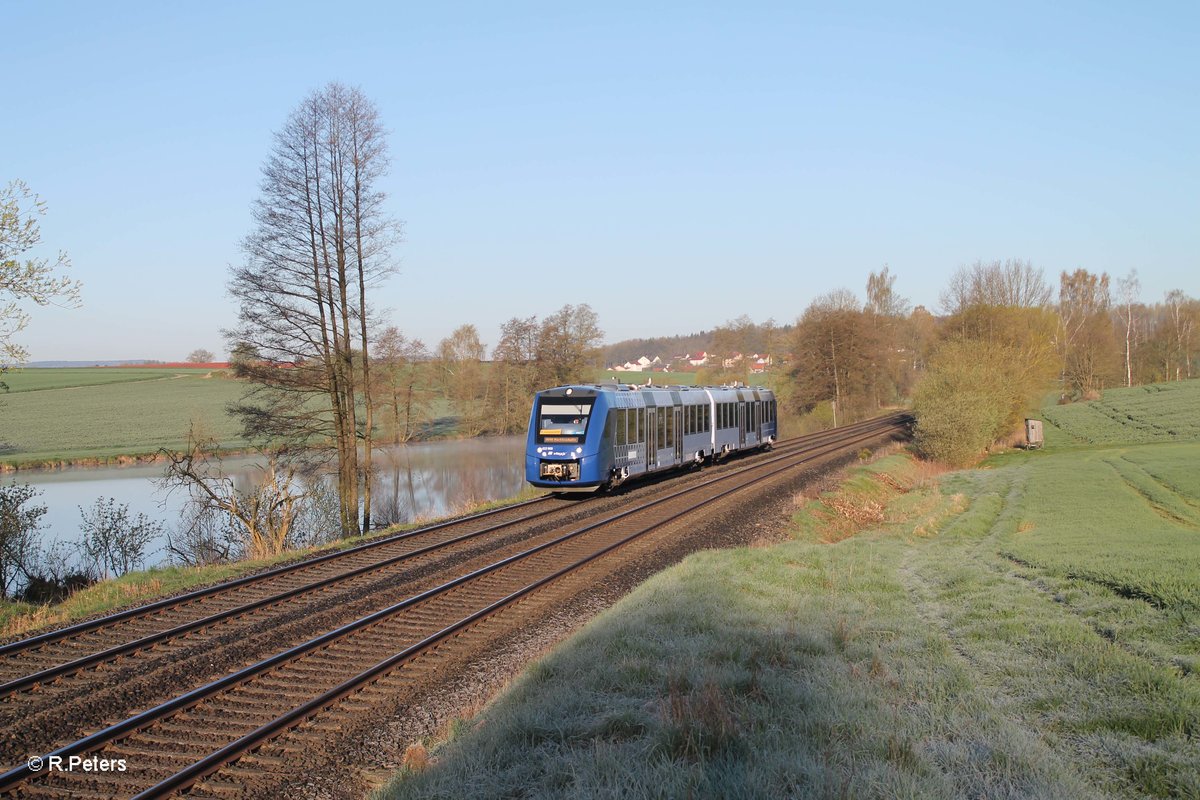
(218, 588)
(101, 656)
(865, 431)
(59, 634)
(83, 662)
(231, 752)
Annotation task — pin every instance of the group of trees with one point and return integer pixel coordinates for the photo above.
(849, 358)
(531, 354)
(1003, 340)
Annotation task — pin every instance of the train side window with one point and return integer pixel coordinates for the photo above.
(662, 429)
(670, 430)
(620, 436)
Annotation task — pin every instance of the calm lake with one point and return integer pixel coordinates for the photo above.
(415, 481)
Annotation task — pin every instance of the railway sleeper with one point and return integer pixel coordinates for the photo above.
(37, 790)
(223, 717)
(248, 761)
(143, 755)
(161, 741)
(213, 787)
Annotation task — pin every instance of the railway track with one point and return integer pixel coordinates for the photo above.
(190, 735)
(40, 659)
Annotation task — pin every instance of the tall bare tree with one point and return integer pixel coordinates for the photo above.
(322, 238)
(1085, 335)
(1181, 312)
(1128, 288)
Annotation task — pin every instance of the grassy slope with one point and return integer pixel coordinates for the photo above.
(103, 413)
(1026, 630)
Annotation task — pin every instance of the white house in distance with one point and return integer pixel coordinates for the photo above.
(643, 364)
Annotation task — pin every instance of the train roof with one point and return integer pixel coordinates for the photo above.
(592, 389)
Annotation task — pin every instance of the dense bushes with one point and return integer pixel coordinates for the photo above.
(974, 393)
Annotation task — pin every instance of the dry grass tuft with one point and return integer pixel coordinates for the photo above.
(699, 721)
(24, 622)
(416, 758)
(926, 472)
(860, 511)
(133, 591)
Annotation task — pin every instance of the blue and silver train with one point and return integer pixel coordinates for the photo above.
(584, 438)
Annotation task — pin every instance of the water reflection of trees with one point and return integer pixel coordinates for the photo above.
(416, 482)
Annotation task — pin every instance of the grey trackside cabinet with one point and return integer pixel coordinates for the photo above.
(1033, 433)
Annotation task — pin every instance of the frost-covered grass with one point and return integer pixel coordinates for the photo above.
(951, 638)
(1161, 412)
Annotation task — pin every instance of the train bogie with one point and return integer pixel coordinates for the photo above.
(583, 438)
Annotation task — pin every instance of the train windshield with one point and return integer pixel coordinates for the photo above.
(563, 422)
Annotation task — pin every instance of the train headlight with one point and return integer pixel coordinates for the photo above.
(578, 449)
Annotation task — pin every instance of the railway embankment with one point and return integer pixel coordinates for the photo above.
(1030, 628)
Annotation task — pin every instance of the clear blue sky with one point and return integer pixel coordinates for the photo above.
(674, 166)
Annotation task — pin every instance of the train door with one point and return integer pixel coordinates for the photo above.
(651, 437)
(678, 431)
(741, 424)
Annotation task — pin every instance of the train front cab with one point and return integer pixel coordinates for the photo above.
(562, 450)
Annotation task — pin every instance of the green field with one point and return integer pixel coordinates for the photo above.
(36, 380)
(52, 415)
(1030, 629)
(1161, 412)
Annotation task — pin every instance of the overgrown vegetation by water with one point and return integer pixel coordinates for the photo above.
(1029, 629)
(20, 618)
